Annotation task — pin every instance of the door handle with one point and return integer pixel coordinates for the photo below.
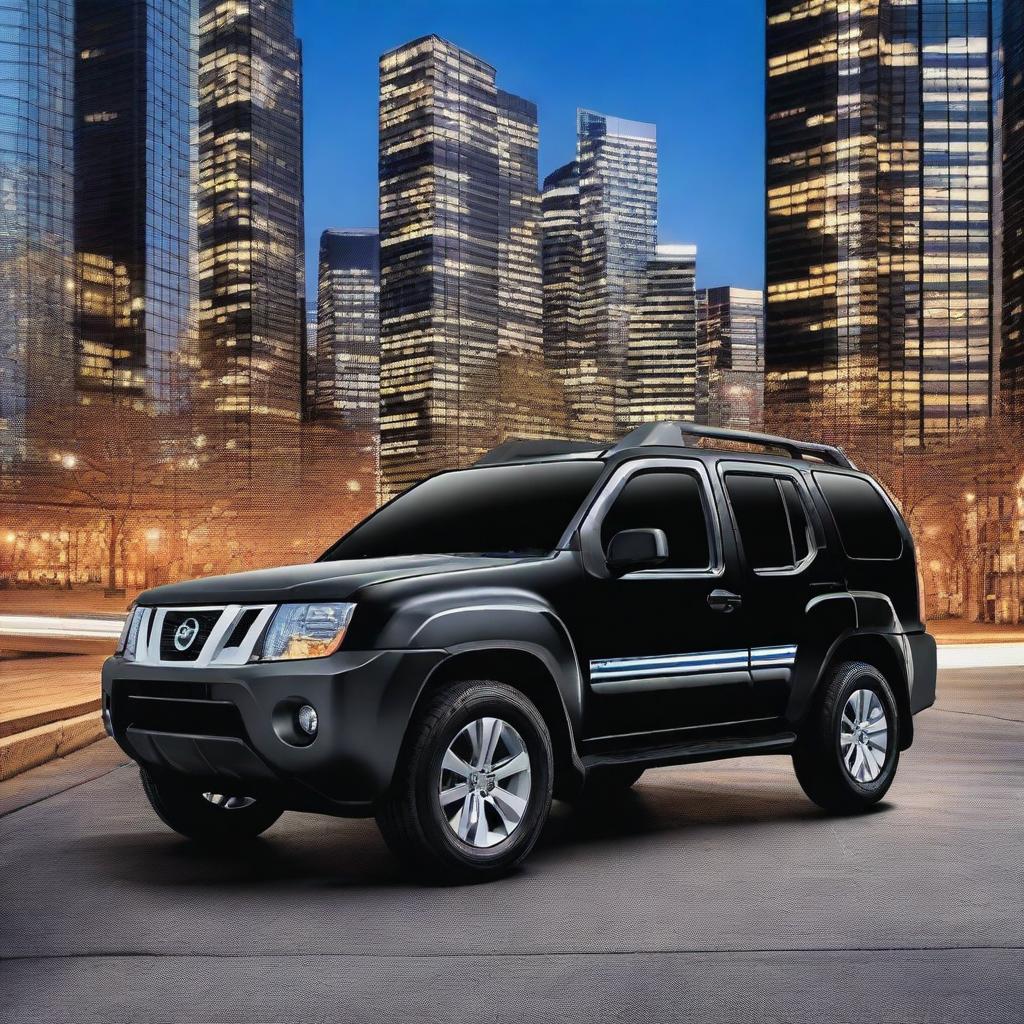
(724, 600)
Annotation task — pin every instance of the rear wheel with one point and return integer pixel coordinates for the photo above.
(472, 788)
(848, 752)
(207, 816)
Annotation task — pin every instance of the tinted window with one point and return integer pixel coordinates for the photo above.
(798, 525)
(761, 517)
(501, 510)
(865, 522)
(669, 501)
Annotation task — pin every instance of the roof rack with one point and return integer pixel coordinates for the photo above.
(516, 450)
(676, 434)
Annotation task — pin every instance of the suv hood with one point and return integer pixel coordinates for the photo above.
(318, 581)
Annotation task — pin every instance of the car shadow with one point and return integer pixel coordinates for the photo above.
(310, 850)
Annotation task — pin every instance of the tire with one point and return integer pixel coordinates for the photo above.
(832, 771)
(207, 818)
(611, 779)
(449, 840)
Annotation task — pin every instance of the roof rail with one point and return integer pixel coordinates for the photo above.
(675, 434)
(515, 450)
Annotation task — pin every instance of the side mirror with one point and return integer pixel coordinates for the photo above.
(629, 550)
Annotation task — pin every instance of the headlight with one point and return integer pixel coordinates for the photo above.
(130, 634)
(306, 631)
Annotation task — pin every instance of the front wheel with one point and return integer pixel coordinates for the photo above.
(472, 788)
(848, 751)
(207, 817)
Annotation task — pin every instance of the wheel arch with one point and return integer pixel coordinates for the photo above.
(528, 672)
(881, 651)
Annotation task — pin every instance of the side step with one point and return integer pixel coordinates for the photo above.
(688, 752)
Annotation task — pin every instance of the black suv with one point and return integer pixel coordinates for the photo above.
(553, 620)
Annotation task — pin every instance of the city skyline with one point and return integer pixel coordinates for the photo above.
(635, 67)
(507, 308)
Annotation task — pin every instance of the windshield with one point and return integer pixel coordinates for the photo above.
(497, 510)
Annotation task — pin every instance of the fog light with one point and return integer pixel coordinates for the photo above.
(306, 719)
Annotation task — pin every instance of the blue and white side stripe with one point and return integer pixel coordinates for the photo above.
(770, 657)
(607, 669)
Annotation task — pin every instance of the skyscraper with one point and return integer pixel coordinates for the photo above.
(730, 357)
(251, 279)
(880, 216)
(135, 88)
(456, 164)
(347, 367)
(520, 296)
(618, 168)
(661, 354)
(600, 231)
(1012, 370)
(561, 266)
(37, 287)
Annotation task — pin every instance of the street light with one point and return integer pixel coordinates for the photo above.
(69, 461)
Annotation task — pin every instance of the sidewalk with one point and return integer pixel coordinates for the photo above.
(49, 706)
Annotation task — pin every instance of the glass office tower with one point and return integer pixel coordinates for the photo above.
(251, 277)
(135, 89)
(661, 354)
(880, 313)
(347, 367)
(730, 357)
(456, 163)
(37, 289)
(618, 169)
(560, 258)
(1012, 367)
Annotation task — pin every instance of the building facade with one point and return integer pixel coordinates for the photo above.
(730, 358)
(460, 255)
(347, 366)
(37, 276)
(251, 248)
(1012, 365)
(561, 265)
(880, 313)
(618, 168)
(661, 352)
(135, 239)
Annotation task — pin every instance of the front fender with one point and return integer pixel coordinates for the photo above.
(492, 618)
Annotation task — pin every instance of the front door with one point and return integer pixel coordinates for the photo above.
(664, 651)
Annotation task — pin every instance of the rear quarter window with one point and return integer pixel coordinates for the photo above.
(866, 524)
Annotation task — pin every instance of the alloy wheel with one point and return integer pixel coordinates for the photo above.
(864, 736)
(484, 788)
(229, 803)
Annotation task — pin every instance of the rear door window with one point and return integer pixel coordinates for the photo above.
(763, 522)
(866, 524)
(799, 528)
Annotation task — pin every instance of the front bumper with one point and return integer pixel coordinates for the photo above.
(216, 725)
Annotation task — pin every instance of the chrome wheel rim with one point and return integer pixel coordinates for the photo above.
(229, 803)
(485, 782)
(864, 736)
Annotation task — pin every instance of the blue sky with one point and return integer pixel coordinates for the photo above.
(694, 67)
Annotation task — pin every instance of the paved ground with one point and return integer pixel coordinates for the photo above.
(712, 893)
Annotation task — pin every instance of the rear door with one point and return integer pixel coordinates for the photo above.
(784, 566)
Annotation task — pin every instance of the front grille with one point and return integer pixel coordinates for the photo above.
(185, 632)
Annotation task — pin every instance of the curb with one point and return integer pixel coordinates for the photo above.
(35, 746)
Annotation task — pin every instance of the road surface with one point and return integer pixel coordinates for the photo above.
(712, 893)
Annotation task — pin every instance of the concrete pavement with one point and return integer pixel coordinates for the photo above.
(712, 893)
